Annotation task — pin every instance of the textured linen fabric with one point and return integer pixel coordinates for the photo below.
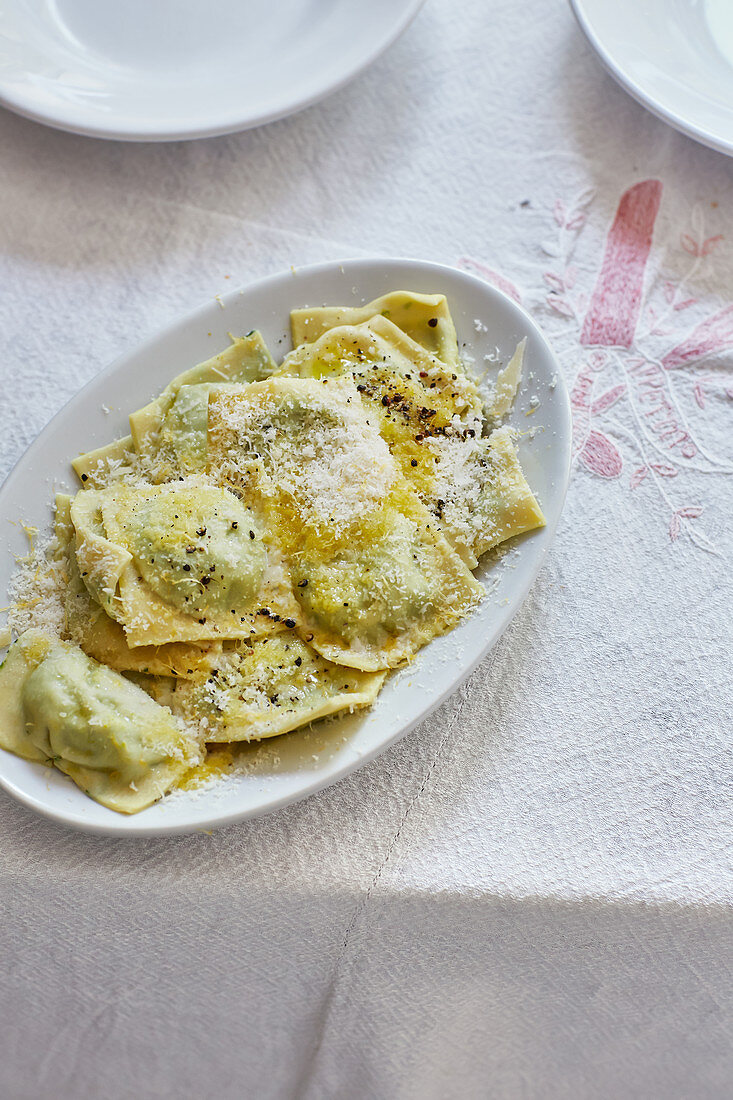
(529, 896)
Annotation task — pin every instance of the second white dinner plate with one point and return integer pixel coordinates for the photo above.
(296, 764)
(673, 56)
(164, 70)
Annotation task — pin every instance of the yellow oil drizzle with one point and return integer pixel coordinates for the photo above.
(219, 760)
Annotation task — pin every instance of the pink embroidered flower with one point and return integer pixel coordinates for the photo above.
(608, 399)
(626, 314)
(675, 524)
(601, 456)
(663, 470)
(616, 301)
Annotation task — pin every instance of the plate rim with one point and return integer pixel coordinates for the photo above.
(68, 122)
(637, 92)
(216, 821)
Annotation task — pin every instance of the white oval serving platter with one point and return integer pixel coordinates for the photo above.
(675, 57)
(297, 764)
(172, 70)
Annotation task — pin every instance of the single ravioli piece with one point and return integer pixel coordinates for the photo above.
(105, 733)
(423, 317)
(100, 636)
(59, 706)
(372, 575)
(22, 658)
(270, 687)
(245, 361)
(483, 497)
(377, 597)
(178, 562)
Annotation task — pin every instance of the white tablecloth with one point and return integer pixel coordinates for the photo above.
(530, 895)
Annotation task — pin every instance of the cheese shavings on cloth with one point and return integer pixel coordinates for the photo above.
(262, 549)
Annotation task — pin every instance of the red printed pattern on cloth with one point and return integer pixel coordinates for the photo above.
(622, 323)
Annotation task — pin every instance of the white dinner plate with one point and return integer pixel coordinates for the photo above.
(673, 56)
(165, 70)
(295, 765)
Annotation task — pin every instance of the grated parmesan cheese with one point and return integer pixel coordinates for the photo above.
(37, 590)
(343, 468)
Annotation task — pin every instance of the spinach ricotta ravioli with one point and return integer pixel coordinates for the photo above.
(59, 706)
(263, 548)
(177, 562)
(267, 687)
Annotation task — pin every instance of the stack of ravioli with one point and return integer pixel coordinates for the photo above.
(265, 546)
